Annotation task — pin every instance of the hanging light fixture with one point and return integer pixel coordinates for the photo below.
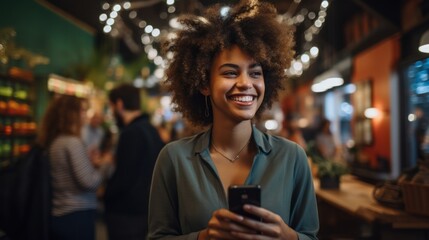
(327, 80)
(333, 77)
(424, 42)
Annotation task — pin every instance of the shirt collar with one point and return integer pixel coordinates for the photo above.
(261, 139)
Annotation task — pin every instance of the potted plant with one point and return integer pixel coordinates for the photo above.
(329, 173)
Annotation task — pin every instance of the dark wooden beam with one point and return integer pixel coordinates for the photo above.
(387, 11)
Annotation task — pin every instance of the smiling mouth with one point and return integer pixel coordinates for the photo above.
(243, 99)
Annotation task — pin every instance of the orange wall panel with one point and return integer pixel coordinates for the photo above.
(377, 64)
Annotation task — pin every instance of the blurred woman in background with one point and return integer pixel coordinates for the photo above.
(325, 142)
(74, 178)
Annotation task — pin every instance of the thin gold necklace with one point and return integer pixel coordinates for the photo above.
(230, 159)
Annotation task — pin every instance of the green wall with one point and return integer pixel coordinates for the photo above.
(43, 31)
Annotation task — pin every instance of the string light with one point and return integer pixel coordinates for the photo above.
(303, 61)
(112, 22)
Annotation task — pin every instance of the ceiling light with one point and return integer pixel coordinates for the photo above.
(132, 14)
(158, 60)
(297, 65)
(113, 14)
(305, 58)
(117, 8)
(318, 23)
(327, 80)
(424, 42)
(126, 5)
(224, 11)
(271, 124)
(314, 51)
(102, 17)
(324, 4)
(110, 21)
(174, 23)
(171, 9)
(148, 29)
(145, 39)
(107, 29)
(371, 113)
(156, 32)
(142, 24)
(106, 6)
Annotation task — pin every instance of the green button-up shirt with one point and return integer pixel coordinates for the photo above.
(186, 187)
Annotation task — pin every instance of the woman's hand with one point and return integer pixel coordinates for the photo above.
(271, 227)
(221, 225)
(225, 224)
(99, 159)
(95, 157)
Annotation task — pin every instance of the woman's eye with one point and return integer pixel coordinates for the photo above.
(229, 74)
(256, 74)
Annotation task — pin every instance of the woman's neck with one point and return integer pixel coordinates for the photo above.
(231, 136)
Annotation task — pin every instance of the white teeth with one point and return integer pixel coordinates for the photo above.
(243, 98)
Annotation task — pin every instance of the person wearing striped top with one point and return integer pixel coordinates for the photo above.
(74, 178)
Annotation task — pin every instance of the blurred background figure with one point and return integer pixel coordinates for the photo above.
(127, 191)
(98, 139)
(164, 131)
(74, 178)
(293, 131)
(93, 132)
(325, 142)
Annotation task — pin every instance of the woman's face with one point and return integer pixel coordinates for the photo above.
(236, 85)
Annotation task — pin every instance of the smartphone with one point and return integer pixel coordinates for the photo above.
(238, 195)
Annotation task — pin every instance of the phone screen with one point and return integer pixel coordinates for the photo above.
(238, 195)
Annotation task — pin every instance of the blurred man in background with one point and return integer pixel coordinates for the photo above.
(127, 191)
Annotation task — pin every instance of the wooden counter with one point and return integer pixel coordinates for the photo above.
(355, 198)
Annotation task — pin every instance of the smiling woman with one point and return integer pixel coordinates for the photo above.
(228, 66)
(203, 38)
(237, 83)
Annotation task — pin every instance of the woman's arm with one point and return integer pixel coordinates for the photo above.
(82, 169)
(163, 202)
(304, 214)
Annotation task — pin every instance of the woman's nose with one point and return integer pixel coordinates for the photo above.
(244, 81)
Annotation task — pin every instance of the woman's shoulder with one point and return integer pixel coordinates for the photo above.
(187, 146)
(283, 145)
(183, 152)
(277, 141)
(67, 140)
(188, 142)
